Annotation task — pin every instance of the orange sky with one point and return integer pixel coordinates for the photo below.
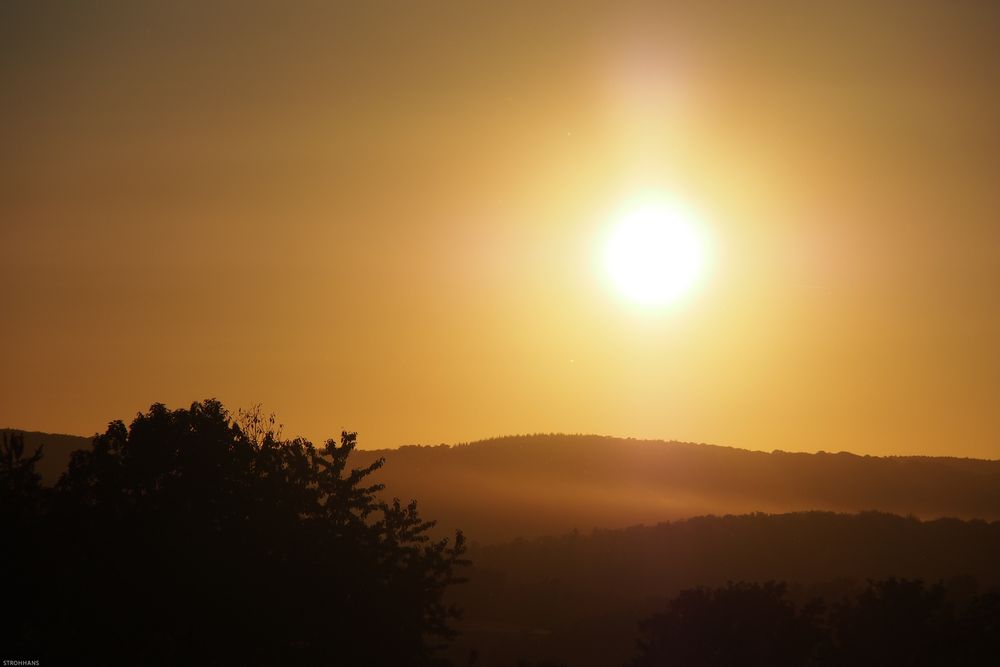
(388, 217)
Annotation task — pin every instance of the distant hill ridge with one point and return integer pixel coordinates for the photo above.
(533, 485)
(532, 438)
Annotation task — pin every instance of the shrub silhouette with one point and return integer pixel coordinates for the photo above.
(193, 537)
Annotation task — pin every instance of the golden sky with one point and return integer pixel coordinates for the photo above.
(388, 217)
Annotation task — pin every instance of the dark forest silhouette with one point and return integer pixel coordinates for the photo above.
(891, 622)
(198, 536)
(193, 537)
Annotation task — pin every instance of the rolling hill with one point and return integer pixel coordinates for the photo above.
(528, 486)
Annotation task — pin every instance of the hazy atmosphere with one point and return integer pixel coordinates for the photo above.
(393, 218)
(500, 334)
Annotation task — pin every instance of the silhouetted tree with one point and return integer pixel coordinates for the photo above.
(193, 537)
(21, 495)
(20, 484)
(897, 622)
(979, 630)
(890, 622)
(740, 624)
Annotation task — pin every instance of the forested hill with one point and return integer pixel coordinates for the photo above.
(526, 486)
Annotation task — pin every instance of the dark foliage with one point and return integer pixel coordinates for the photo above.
(740, 624)
(193, 537)
(891, 622)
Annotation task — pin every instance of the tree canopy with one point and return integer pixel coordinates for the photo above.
(195, 535)
(891, 622)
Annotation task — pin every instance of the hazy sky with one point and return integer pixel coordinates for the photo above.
(388, 217)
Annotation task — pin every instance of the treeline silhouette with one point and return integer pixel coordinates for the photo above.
(195, 537)
(890, 622)
(577, 599)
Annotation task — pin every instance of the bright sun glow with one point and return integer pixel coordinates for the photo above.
(654, 254)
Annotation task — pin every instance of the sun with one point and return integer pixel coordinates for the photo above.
(654, 254)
